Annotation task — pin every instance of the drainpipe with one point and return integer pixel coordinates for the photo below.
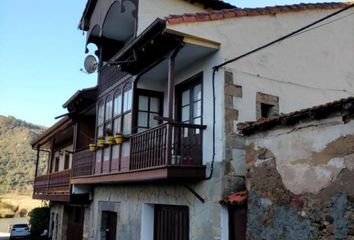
(170, 97)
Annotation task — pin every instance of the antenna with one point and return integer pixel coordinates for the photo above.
(90, 64)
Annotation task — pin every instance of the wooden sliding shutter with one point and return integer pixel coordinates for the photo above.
(171, 222)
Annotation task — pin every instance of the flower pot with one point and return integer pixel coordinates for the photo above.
(92, 147)
(119, 138)
(110, 140)
(100, 142)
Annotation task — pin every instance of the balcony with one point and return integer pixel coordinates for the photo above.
(170, 151)
(53, 186)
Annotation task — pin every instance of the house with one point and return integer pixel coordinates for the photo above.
(302, 173)
(177, 170)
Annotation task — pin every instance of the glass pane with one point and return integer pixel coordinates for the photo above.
(116, 126)
(117, 105)
(185, 97)
(115, 152)
(127, 100)
(197, 110)
(127, 123)
(98, 156)
(185, 113)
(143, 103)
(109, 109)
(154, 104)
(108, 130)
(100, 114)
(153, 122)
(197, 121)
(100, 131)
(197, 94)
(106, 153)
(126, 149)
(143, 119)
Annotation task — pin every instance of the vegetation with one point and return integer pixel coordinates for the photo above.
(39, 220)
(15, 205)
(17, 159)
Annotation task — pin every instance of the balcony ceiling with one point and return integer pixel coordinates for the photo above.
(188, 56)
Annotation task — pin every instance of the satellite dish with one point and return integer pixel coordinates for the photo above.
(90, 64)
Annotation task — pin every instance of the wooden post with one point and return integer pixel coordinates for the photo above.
(37, 160)
(170, 97)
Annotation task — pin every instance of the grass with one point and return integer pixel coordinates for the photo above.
(15, 205)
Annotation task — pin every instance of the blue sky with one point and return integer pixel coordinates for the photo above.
(42, 51)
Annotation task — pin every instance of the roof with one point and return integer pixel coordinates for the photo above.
(316, 112)
(57, 127)
(243, 12)
(235, 198)
(81, 99)
(90, 6)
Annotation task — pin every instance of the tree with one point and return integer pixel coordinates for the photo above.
(39, 220)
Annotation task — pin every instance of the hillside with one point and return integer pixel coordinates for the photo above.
(17, 159)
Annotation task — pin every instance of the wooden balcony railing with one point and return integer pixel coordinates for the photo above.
(167, 145)
(53, 184)
(83, 163)
(170, 150)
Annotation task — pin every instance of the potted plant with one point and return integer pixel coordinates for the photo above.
(92, 147)
(100, 142)
(119, 138)
(109, 136)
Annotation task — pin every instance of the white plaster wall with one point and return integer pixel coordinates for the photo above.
(308, 69)
(293, 148)
(149, 10)
(62, 158)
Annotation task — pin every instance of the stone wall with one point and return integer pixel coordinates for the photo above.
(58, 222)
(301, 180)
(129, 201)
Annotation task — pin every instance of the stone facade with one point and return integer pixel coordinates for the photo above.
(58, 222)
(300, 181)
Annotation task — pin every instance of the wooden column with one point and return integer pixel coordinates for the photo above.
(170, 98)
(37, 160)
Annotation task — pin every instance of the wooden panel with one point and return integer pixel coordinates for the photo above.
(237, 222)
(107, 76)
(171, 222)
(75, 222)
(83, 163)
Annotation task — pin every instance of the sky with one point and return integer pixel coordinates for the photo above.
(42, 52)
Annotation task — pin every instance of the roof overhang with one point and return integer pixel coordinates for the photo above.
(81, 99)
(153, 45)
(58, 128)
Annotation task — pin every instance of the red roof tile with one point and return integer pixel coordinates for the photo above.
(241, 12)
(235, 198)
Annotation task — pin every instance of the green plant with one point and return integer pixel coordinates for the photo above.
(39, 219)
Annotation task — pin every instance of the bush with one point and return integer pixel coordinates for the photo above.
(39, 220)
(23, 212)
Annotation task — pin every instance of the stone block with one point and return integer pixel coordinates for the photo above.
(233, 90)
(229, 78)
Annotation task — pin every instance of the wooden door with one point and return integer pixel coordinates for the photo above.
(237, 222)
(75, 223)
(171, 222)
(109, 225)
(189, 111)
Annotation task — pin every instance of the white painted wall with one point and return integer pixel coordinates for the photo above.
(308, 69)
(149, 10)
(62, 157)
(147, 222)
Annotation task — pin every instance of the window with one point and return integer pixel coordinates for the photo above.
(266, 105)
(113, 116)
(149, 106)
(190, 103)
(56, 166)
(171, 222)
(66, 161)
